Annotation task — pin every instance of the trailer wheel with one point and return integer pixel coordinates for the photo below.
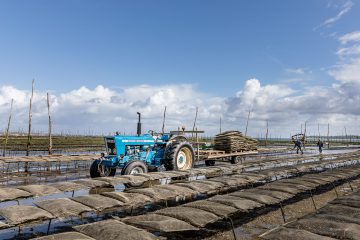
(99, 170)
(236, 159)
(179, 156)
(209, 163)
(134, 167)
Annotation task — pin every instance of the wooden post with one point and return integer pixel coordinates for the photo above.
(163, 125)
(197, 144)
(220, 124)
(347, 143)
(50, 124)
(350, 138)
(304, 134)
(8, 128)
(328, 133)
(247, 122)
(267, 132)
(196, 113)
(30, 117)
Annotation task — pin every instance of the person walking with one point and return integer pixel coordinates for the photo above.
(298, 146)
(320, 144)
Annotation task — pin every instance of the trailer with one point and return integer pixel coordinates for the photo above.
(212, 156)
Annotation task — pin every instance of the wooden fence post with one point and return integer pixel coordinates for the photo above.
(220, 124)
(30, 118)
(163, 125)
(247, 122)
(267, 132)
(50, 124)
(328, 133)
(196, 113)
(8, 128)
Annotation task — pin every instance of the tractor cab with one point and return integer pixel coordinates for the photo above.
(110, 146)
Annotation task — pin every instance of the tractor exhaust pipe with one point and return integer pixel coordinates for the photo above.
(138, 130)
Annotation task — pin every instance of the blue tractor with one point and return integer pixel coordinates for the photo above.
(144, 152)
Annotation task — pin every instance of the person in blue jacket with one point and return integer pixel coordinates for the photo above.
(297, 146)
(320, 144)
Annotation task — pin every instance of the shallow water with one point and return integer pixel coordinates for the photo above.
(59, 225)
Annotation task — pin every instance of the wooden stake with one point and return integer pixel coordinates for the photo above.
(163, 125)
(267, 132)
(247, 122)
(346, 137)
(220, 124)
(328, 133)
(304, 134)
(197, 145)
(50, 124)
(8, 128)
(195, 122)
(30, 117)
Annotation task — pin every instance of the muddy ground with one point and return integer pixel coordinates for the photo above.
(261, 224)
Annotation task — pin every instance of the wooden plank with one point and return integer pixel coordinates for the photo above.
(182, 132)
(232, 154)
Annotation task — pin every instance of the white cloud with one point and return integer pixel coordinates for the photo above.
(299, 71)
(9, 92)
(301, 76)
(104, 110)
(344, 9)
(353, 50)
(350, 37)
(347, 70)
(255, 95)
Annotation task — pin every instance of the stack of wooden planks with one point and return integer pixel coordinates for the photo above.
(234, 141)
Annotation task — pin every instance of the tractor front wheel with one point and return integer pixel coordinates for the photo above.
(134, 167)
(99, 170)
(179, 156)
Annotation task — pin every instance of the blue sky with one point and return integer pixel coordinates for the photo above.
(214, 46)
(67, 44)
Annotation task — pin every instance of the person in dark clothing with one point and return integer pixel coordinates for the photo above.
(320, 144)
(297, 146)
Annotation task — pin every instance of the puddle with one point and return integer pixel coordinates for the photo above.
(54, 226)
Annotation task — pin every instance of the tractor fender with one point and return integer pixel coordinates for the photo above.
(177, 138)
(108, 162)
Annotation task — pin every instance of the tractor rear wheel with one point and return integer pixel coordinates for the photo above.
(99, 170)
(179, 156)
(134, 167)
